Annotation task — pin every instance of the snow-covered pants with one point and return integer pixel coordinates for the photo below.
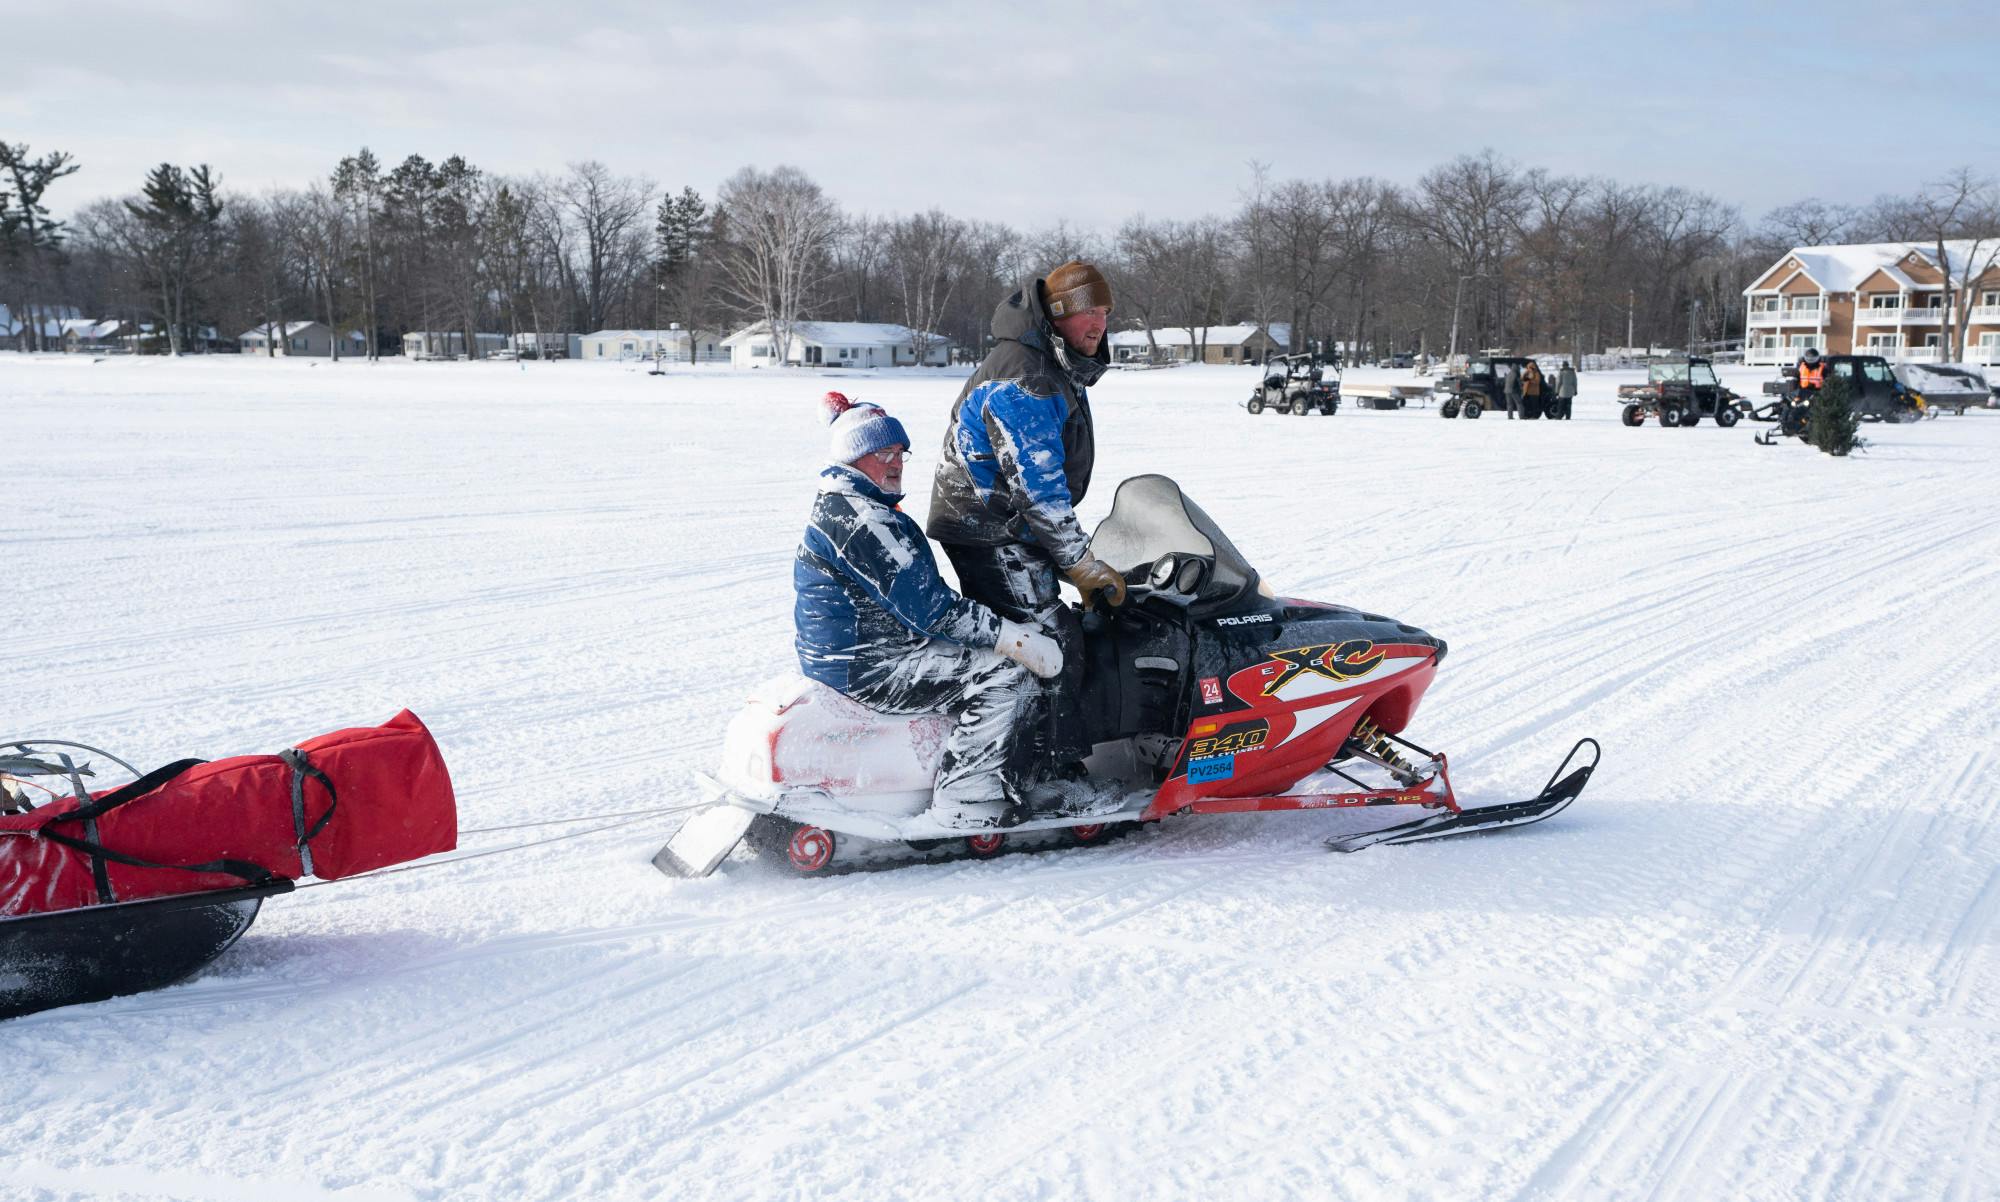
(1019, 581)
(989, 694)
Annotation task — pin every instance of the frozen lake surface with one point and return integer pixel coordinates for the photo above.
(1757, 960)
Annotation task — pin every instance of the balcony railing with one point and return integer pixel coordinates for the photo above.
(1984, 353)
(1990, 314)
(1771, 356)
(1911, 316)
(1786, 317)
(1902, 354)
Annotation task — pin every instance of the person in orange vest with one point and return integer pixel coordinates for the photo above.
(1812, 377)
(1812, 372)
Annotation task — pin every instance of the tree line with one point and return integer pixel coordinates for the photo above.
(1480, 251)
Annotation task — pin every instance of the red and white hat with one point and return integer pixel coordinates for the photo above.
(859, 428)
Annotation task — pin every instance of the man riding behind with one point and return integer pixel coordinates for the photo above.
(875, 621)
(1016, 462)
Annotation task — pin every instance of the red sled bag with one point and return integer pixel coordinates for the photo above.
(340, 804)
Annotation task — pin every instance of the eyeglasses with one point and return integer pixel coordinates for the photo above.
(890, 456)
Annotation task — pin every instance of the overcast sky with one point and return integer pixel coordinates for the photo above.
(1018, 112)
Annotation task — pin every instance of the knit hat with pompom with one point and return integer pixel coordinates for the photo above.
(859, 428)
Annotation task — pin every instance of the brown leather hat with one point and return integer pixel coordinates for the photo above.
(1074, 287)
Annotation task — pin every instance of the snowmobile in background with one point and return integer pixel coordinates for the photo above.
(1204, 694)
(1298, 384)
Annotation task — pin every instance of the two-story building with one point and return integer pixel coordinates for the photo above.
(1881, 298)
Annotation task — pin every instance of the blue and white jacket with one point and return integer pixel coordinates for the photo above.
(869, 592)
(1018, 452)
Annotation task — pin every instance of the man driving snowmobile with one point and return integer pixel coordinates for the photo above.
(1016, 462)
(875, 621)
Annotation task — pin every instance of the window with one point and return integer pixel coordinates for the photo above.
(1989, 341)
(1885, 300)
(1805, 304)
(1877, 372)
(1878, 343)
(1766, 304)
(1990, 298)
(1934, 301)
(298, 344)
(760, 351)
(1800, 342)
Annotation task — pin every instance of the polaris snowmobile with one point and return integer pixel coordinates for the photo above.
(1204, 694)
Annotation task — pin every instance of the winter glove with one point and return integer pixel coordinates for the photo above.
(1091, 574)
(1030, 648)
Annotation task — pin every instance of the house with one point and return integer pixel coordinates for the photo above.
(546, 345)
(835, 344)
(670, 343)
(1246, 343)
(88, 334)
(20, 329)
(1879, 298)
(450, 344)
(301, 339)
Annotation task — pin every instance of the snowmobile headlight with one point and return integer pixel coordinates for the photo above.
(1188, 579)
(1162, 574)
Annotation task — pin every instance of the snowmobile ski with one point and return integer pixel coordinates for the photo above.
(1558, 793)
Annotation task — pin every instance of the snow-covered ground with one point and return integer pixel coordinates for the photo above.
(1757, 960)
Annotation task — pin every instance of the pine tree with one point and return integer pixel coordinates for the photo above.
(1833, 426)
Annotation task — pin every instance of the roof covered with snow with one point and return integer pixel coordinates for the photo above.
(834, 333)
(1236, 335)
(1843, 268)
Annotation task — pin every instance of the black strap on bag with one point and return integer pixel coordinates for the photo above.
(301, 769)
(255, 874)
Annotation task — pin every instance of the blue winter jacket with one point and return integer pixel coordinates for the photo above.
(1018, 452)
(868, 587)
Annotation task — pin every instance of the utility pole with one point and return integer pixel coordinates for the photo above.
(1630, 296)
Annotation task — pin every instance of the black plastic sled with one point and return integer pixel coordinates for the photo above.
(96, 952)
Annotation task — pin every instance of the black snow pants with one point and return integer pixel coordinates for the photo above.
(1019, 581)
(990, 696)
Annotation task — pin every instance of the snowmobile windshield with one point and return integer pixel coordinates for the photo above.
(1151, 519)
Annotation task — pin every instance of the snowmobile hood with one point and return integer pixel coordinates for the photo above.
(1023, 318)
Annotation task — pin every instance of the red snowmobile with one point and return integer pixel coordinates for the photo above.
(1204, 694)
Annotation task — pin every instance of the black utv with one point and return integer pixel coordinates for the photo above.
(1483, 386)
(1680, 392)
(1874, 392)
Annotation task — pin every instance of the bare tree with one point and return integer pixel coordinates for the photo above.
(925, 261)
(1960, 217)
(1471, 208)
(1142, 255)
(317, 223)
(780, 226)
(1808, 222)
(608, 213)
